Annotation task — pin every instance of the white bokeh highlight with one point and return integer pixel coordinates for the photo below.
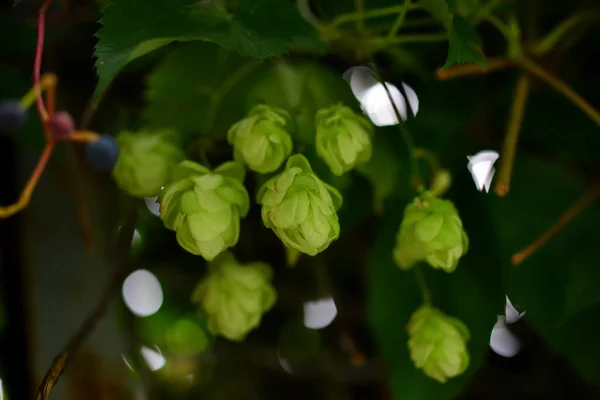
(153, 358)
(319, 314)
(375, 100)
(152, 205)
(142, 293)
(502, 341)
(481, 166)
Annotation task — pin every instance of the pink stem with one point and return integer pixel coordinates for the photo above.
(38, 58)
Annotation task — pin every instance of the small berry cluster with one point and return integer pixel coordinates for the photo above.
(101, 150)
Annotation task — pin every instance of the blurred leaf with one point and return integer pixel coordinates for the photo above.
(557, 285)
(192, 95)
(382, 171)
(440, 10)
(464, 44)
(132, 28)
(302, 89)
(474, 293)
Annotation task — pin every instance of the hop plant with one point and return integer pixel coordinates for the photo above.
(235, 296)
(300, 208)
(343, 138)
(260, 140)
(146, 161)
(431, 231)
(438, 343)
(204, 208)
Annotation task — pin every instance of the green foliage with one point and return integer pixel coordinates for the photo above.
(440, 10)
(132, 28)
(464, 46)
(556, 285)
(194, 96)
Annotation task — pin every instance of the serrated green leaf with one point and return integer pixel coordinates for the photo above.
(440, 10)
(253, 30)
(194, 96)
(464, 44)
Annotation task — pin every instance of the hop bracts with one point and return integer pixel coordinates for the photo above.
(261, 140)
(235, 296)
(204, 207)
(343, 138)
(300, 208)
(438, 343)
(431, 231)
(146, 161)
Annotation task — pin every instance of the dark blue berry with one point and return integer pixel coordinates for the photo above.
(12, 116)
(62, 124)
(103, 153)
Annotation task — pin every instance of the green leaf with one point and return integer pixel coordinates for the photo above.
(440, 10)
(132, 28)
(557, 285)
(382, 171)
(465, 44)
(478, 276)
(301, 89)
(194, 96)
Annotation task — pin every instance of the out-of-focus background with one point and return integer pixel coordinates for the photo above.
(337, 330)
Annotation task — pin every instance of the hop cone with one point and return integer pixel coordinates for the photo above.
(343, 138)
(235, 296)
(431, 231)
(204, 208)
(146, 161)
(260, 140)
(300, 208)
(438, 343)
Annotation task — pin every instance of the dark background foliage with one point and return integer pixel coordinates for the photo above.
(201, 88)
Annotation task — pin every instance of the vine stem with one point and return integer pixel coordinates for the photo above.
(406, 137)
(589, 197)
(459, 71)
(425, 292)
(31, 184)
(37, 66)
(399, 20)
(374, 13)
(511, 138)
(561, 87)
(95, 317)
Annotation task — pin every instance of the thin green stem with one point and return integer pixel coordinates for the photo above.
(567, 26)
(485, 11)
(359, 5)
(368, 14)
(420, 277)
(399, 20)
(406, 137)
(512, 136)
(380, 43)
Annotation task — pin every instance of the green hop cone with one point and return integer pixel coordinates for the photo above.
(204, 208)
(343, 138)
(260, 140)
(235, 296)
(438, 343)
(146, 161)
(300, 208)
(431, 231)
